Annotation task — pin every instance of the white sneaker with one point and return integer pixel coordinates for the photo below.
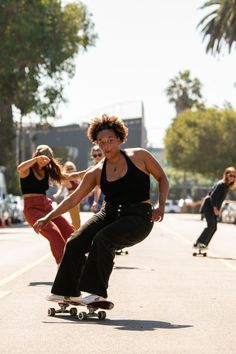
(73, 299)
(62, 298)
(54, 297)
(92, 298)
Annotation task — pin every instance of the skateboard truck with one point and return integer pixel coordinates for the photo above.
(200, 252)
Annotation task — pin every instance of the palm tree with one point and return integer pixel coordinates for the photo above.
(184, 92)
(219, 25)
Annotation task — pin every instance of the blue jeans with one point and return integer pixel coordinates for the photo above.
(88, 259)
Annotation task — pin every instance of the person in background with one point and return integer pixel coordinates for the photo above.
(95, 198)
(70, 185)
(211, 205)
(126, 218)
(35, 175)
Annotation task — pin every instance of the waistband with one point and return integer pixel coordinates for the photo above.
(38, 196)
(128, 206)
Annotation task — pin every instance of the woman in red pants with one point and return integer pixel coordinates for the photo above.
(35, 175)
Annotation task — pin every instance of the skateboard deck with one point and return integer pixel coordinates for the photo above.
(92, 309)
(200, 252)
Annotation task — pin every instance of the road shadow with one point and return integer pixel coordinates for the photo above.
(40, 283)
(118, 267)
(123, 325)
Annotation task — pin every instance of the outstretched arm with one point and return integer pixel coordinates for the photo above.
(23, 167)
(154, 168)
(86, 185)
(75, 175)
(59, 191)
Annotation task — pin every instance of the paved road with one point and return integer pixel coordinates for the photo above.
(166, 301)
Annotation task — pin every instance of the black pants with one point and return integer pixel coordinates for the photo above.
(211, 228)
(112, 228)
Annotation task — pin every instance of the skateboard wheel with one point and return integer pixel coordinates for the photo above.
(204, 254)
(194, 254)
(51, 312)
(73, 311)
(82, 316)
(102, 315)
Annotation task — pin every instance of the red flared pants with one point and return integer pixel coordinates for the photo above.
(56, 232)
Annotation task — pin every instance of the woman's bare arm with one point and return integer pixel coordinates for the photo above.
(75, 175)
(86, 185)
(155, 169)
(23, 167)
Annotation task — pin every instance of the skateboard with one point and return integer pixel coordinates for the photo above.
(92, 308)
(200, 252)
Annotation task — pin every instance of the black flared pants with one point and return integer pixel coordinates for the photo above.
(211, 228)
(89, 254)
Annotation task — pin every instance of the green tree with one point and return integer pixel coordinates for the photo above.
(202, 141)
(39, 42)
(219, 25)
(184, 92)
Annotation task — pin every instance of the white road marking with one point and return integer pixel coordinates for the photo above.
(179, 236)
(23, 270)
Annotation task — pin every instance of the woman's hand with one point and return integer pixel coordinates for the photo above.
(42, 160)
(94, 208)
(40, 224)
(216, 211)
(66, 176)
(157, 213)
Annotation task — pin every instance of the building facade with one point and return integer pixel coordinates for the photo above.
(72, 140)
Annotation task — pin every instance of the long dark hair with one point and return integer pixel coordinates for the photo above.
(53, 169)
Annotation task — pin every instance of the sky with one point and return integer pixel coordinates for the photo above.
(142, 45)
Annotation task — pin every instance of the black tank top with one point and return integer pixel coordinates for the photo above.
(133, 187)
(31, 184)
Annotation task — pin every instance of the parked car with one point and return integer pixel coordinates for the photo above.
(223, 207)
(4, 214)
(172, 206)
(5, 218)
(228, 212)
(15, 208)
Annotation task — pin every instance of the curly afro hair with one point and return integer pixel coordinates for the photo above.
(106, 122)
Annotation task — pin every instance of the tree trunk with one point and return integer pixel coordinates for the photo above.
(184, 193)
(8, 144)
